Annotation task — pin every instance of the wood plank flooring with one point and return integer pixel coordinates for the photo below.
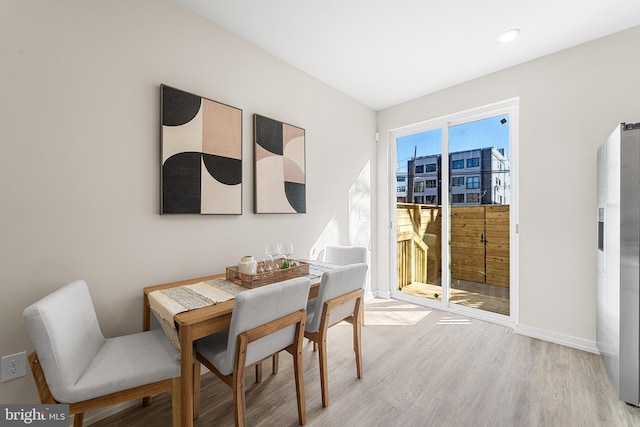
(422, 367)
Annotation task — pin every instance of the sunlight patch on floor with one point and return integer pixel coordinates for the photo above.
(393, 313)
(449, 320)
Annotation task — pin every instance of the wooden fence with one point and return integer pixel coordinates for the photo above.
(479, 243)
(419, 235)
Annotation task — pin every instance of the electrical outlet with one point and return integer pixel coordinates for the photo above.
(13, 366)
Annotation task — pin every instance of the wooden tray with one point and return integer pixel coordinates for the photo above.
(251, 281)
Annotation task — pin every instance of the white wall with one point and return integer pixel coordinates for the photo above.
(79, 170)
(569, 103)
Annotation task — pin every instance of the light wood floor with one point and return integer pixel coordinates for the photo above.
(422, 367)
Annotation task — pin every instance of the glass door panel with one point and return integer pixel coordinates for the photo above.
(479, 194)
(419, 214)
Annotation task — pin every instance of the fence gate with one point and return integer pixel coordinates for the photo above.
(480, 244)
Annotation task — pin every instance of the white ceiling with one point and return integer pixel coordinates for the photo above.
(384, 52)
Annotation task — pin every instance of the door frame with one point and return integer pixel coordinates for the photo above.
(511, 107)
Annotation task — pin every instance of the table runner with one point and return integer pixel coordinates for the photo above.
(166, 303)
(317, 268)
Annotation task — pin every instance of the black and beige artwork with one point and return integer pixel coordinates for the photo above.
(280, 173)
(201, 155)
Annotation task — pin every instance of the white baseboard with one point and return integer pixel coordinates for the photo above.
(369, 295)
(381, 294)
(566, 340)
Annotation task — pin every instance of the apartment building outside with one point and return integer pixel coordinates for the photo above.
(477, 177)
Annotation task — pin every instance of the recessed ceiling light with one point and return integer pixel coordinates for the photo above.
(509, 35)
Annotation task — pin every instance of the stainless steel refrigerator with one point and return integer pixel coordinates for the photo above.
(618, 260)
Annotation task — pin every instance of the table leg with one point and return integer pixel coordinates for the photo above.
(146, 326)
(186, 374)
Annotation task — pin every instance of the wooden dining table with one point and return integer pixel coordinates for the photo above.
(192, 325)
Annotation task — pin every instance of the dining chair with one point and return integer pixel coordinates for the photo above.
(74, 363)
(265, 321)
(344, 255)
(339, 298)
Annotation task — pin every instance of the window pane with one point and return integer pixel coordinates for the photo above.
(479, 215)
(419, 214)
(473, 182)
(473, 197)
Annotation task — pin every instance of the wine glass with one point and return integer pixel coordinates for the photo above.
(272, 249)
(287, 251)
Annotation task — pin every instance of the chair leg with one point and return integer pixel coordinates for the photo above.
(357, 343)
(324, 375)
(259, 372)
(146, 401)
(77, 419)
(239, 403)
(275, 363)
(196, 390)
(237, 386)
(176, 401)
(302, 406)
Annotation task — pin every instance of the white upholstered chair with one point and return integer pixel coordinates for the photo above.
(75, 364)
(339, 298)
(344, 255)
(264, 321)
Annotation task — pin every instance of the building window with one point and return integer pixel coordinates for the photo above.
(431, 167)
(473, 197)
(473, 162)
(418, 187)
(419, 168)
(430, 183)
(457, 164)
(402, 179)
(473, 182)
(402, 188)
(457, 181)
(430, 200)
(457, 198)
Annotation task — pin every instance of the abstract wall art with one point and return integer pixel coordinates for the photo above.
(201, 155)
(280, 171)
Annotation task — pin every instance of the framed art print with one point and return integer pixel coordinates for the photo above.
(201, 151)
(280, 171)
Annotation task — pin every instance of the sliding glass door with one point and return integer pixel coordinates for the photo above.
(419, 214)
(480, 190)
(452, 212)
